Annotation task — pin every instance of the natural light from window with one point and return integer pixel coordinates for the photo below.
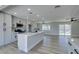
(45, 27)
(64, 29)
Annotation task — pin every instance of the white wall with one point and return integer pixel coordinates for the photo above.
(75, 29)
(54, 30)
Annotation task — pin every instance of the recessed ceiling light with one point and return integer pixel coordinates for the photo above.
(42, 18)
(33, 19)
(37, 15)
(72, 40)
(57, 6)
(15, 13)
(29, 9)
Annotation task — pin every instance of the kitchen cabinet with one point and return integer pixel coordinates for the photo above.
(26, 41)
(14, 37)
(5, 29)
(1, 30)
(8, 27)
(72, 47)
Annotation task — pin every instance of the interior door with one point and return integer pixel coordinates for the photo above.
(1, 30)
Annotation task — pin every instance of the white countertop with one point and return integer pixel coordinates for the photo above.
(75, 41)
(26, 41)
(30, 33)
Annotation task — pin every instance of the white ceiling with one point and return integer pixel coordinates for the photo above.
(45, 12)
(3, 6)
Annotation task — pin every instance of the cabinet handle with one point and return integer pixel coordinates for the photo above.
(76, 51)
(69, 43)
(4, 29)
(4, 24)
(71, 52)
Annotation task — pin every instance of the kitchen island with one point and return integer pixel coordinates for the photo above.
(73, 45)
(26, 41)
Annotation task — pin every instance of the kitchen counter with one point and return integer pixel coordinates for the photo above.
(31, 33)
(75, 41)
(73, 45)
(26, 41)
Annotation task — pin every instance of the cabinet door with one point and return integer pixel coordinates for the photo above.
(8, 25)
(1, 30)
(14, 37)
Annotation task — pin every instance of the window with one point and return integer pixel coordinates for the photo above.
(61, 29)
(67, 29)
(64, 29)
(45, 27)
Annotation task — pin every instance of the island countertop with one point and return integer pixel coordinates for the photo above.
(75, 42)
(31, 33)
(26, 41)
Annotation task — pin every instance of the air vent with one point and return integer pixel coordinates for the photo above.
(57, 6)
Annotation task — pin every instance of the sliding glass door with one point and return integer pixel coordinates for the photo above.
(64, 29)
(64, 34)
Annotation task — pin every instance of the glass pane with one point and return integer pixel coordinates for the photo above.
(45, 27)
(61, 29)
(67, 29)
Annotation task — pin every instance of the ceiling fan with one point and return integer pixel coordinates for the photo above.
(74, 19)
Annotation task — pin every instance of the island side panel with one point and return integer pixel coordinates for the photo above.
(22, 42)
(34, 40)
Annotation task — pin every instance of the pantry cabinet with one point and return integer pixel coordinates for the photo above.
(5, 29)
(1, 30)
(8, 28)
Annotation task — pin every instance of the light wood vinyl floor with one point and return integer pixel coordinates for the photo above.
(49, 45)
